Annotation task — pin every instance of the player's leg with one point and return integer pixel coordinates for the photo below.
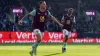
(35, 45)
(67, 35)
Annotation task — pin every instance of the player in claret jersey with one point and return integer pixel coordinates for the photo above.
(67, 20)
(39, 19)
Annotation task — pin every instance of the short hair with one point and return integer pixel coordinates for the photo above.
(41, 2)
(71, 9)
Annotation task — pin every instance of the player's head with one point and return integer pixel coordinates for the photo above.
(70, 10)
(42, 4)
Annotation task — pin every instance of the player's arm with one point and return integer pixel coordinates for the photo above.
(29, 14)
(26, 16)
(54, 19)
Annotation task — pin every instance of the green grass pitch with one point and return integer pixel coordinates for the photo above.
(50, 50)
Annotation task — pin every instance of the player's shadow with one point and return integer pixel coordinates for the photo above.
(53, 54)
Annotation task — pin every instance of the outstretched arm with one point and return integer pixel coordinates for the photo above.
(29, 14)
(54, 19)
(23, 18)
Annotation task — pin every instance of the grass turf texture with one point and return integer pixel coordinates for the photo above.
(50, 50)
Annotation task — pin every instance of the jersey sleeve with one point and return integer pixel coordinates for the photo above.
(62, 18)
(49, 14)
(74, 20)
(33, 13)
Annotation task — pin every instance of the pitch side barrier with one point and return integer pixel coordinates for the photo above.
(48, 37)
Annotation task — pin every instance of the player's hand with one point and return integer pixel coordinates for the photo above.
(61, 25)
(20, 22)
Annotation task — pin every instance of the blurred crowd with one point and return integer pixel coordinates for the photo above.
(5, 23)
